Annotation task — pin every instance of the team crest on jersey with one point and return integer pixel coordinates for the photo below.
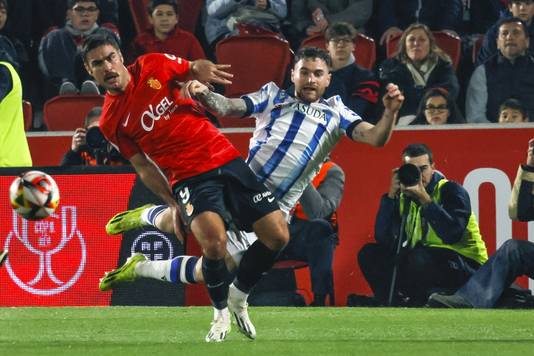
(189, 209)
(154, 83)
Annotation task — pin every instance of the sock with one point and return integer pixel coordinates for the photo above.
(183, 269)
(216, 274)
(179, 269)
(148, 216)
(257, 260)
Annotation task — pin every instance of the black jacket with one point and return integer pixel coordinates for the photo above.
(505, 80)
(394, 71)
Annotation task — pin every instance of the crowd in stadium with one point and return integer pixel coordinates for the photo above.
(438, 52)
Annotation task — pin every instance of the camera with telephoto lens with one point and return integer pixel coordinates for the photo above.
(101, 149)
(409, 174)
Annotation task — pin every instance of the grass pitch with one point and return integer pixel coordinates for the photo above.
(281, 331)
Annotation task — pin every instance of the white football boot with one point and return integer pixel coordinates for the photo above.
(237, 303)
(220, 326)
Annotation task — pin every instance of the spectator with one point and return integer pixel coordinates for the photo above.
(521, 9)
(313, 229)
(512, 111)
(165, 36)
(513, 259)
(393, 16)
(438, 108)
(443, 245)
(357, 86)
(59, 58)
(314, 16)
(96, 152)
(12, 48)
(509, 73)
(14, 150)
(483, 14)
(223, 15)
(419, 64)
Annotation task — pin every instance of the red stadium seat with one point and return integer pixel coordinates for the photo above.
(187, 19)
(451, 44)
(364, 48)
(28, 114)
(67, 112)
(256, 59)
(236, 122)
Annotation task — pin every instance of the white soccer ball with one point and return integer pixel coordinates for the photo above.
(34, 195)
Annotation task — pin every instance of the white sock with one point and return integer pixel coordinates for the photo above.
(160, 270)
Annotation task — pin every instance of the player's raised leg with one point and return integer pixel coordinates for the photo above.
(146, 215)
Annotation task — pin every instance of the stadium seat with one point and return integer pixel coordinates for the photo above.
(189, 10)
(67, 112)
(256, 59)
(364, 48)
(236, 122)
(450, 44)
(28, 114)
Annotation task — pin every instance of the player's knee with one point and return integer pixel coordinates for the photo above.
(214, 248)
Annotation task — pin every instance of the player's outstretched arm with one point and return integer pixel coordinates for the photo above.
(209, 72)
(214, 102)
(379, 134)
(154, 179)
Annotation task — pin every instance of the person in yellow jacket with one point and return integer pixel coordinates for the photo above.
(442, 247)
(14, 150)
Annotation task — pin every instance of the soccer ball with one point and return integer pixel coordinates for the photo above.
(34, 195)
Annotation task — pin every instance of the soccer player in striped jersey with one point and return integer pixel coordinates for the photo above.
(296, 131)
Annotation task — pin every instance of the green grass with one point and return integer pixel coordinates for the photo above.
(281, 331)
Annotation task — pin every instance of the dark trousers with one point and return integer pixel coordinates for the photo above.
(513, 259)
(421, 271)
(313, 241)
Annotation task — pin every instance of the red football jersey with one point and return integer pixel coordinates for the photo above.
(151, 117)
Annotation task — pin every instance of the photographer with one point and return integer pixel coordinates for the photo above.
(89, 147)
(441, 247)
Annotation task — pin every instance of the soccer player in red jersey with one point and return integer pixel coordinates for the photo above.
(184, 159)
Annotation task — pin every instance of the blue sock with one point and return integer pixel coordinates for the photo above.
(183, 269)
(149, 216)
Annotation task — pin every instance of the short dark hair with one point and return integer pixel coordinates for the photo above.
(92, 114)
(155, 3)
(71, 3)
(3, 4)
(97, 40)
(514, 104)
(338, 29)
(510, 2)
(312, 53)
(455, 115)
(507, 20)
(416, 150)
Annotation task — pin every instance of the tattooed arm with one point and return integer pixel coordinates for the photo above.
(216, 103)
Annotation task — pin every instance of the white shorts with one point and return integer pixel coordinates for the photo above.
(238, 243)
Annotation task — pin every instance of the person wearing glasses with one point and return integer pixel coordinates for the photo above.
(358, 87)
(419, 64)
(438, 108)
(59, 58)
(442, 245)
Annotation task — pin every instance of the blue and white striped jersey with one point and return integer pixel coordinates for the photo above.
(292, 139)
